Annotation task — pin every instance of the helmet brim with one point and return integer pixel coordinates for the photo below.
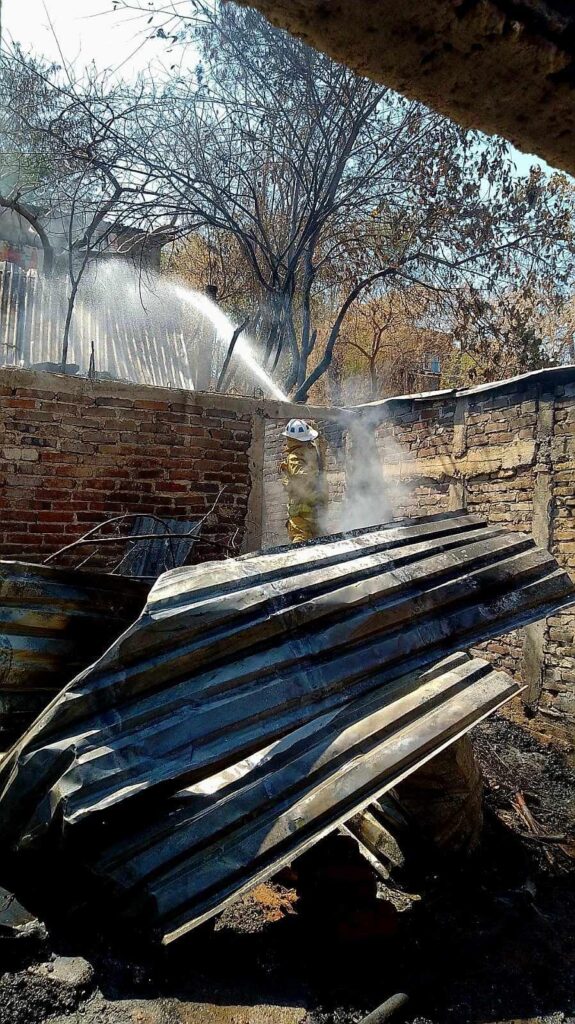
(310, 436)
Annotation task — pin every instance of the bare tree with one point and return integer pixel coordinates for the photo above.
(68, 175)
(320, 182)
(321, 177)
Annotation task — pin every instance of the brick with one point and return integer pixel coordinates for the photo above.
(187, 407)
(46, 527)
(105, 402)
(110, 415)
(150, 474)
(77, 447)
(234, 446)
(63, 406)
(192, 430)
(32, 393)
(114, 472)
(224, 478)
(88, 517)
(19, 403)
(17, 515)
(20, 454)
(31, 418)
(174, 486)
(83, 422)
(60, 493)
(150, 405)
(97, 437)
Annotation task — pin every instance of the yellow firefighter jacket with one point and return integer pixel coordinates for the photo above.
(303, 478)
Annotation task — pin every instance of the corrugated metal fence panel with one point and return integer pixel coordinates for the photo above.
(230, 657)
(150, 558)
(7, 333)
(126, 346)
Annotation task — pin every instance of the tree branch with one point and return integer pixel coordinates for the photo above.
(28, 215)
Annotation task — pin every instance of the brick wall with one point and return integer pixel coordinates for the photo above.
(507, 453)
(75, 453)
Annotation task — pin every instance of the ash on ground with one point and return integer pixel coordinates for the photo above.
(490, 942)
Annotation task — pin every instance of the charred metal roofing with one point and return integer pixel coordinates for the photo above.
(287, 688)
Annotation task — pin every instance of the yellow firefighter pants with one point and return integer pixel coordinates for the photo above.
(302, 527)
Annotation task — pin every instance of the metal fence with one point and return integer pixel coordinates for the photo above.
(166, 347)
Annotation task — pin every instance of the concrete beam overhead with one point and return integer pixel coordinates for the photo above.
(502, 66)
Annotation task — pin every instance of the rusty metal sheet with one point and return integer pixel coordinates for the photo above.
(233, 657)
(203, 854)
(54, 622)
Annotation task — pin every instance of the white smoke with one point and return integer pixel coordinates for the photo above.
(373, 493)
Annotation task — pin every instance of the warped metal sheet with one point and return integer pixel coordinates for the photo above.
(217, 840)
(148, 559)
(54, 622)
(191, 855)
(230, 658)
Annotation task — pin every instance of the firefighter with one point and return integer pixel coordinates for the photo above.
(303, 478)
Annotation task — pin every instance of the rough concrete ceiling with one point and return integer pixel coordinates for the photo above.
(504, 66)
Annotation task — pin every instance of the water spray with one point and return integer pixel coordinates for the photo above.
(224, 333)
(138, 326)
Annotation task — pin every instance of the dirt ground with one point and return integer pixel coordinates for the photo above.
(491, 942)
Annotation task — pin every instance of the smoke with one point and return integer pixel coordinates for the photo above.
(373, 493)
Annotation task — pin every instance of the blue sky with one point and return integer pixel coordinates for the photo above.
(88, 30)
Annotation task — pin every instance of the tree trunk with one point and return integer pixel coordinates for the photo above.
(303, 391)
(374, 383)
(22, 210)
(68, 324)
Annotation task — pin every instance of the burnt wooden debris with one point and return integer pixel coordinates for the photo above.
(260, 702)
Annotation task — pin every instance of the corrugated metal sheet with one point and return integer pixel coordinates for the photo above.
(54, 622)
(150, 558)
(211, 844)
(317, 652)
(129, 341)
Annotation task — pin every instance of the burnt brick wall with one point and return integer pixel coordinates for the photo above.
(74, 453)
(558, 684)
(410, 434)
(506, 453)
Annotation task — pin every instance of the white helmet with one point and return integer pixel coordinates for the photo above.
(299, 430)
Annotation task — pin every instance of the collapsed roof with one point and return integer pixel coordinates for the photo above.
(259, 702)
